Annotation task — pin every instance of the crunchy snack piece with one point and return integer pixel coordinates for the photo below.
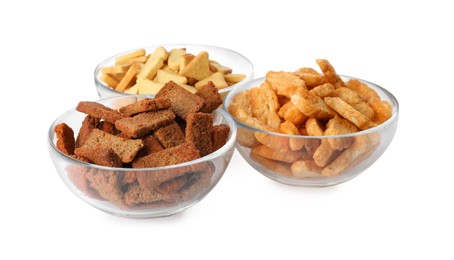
(107, 127)
(144, 123)
(285, 83)
(146, 86)
(265, 151)
(216, 67)
(241, 109)
(137, 194)
(128, 77)
(305, 169)
(275, 142)
(219, 135)
(383, 110)
(330, 73)
(183, 101)
(198, 131)
(312, 105)
(339, 126)
(324, 90)
(313, 127)
(130, 55)
(324, 154)
(150, 145)
(88, 125)
(364, 91)
(65, 138)
(246, 138)
(354, 100)
(164, 76)
(349, 113)
(149, 69)
(294, 144)
(311, 77)
(140, 60)
(173, 185)
(197, 183)
(104, 156)
(77, 174)
(126, 149)
(277, 166)
(128, 178)
(359, 147)
(169, 135)
(264, 106)
(234, 78)
(99, 111)
(198, 68)
(109, 80)
(116, 69)
(217, 78)
(145, 105)
(211, 96)
(290, 112)
(173, 155)
(108, 186)
(174, 58)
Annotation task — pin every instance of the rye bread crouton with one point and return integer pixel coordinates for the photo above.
(144, 123)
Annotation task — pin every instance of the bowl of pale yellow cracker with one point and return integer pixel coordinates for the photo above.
(145, 70)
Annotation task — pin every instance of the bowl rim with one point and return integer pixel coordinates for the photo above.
(216, 154)
(249, 74)
(394, 116)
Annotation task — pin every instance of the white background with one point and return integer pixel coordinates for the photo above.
(400, 208)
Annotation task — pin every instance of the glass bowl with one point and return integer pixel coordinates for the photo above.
(100, 186)
(368, 146)
(232, 59)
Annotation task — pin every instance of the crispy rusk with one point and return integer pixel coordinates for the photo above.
(109, 80)
(115, 69)
(288, 157)
(246, 138)
(324, 90)
(164, 76)
(217, 78)
(275, 142)
(383, 110)
(234, 78)
(305, 169)
(289, 128)
(198, 68)
(285, 83)
(311, 77)
(264, 106)
(324, 154)
(312, 105)
(140, 59)
(216, 67)
(174, 59)
(349, 113)
(310, 144)
(330, 73)
(354, 100)
(360, 146)
(295, 116)
(314, 128)
(364, 91)
(241, 109)
(130, 55)
(277, 166)
(149, 69)
(339, 126)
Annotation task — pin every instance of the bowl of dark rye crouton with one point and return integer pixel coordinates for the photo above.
(310, 128)
(145, 70)
(141, 157)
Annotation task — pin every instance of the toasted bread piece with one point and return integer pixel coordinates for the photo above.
(211, 96)
(145, 105)
(169, 135)
(217, 78)
(174, 59)
(107, 184)
(104, 156)
(170, 156)
(144, 123)
(99, 111)
(65, 138)
(126, 149)
(164, 76)
(219, 135)
(183, 101)
(198, 68)
(198, 131)
(87, 126)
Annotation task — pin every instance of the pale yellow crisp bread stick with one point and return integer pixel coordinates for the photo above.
(150, 68)
(174, 59)
(130, 55)
(234, 78)
(217, 78)
(164, 76)
(116, 69)
(198, 67)
(109, 80)
(130, 74)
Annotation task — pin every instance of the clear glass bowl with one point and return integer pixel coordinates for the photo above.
(232, 59)
(205, 172)
(378, 139)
